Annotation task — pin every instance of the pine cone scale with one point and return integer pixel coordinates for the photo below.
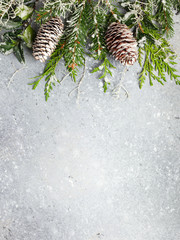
(121, 43)
(47, 38)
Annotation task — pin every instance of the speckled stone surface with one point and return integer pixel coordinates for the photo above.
(105, 168)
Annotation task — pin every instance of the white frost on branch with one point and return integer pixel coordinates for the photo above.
(59, 6)
(7, 9)
(134, 9)
(141, 42)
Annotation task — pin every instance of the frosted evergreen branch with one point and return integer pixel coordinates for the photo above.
(60, 7)
(6, 9)
(74, 40)
(97, 34)
(109, 5)
(135, 10)
(86, 22)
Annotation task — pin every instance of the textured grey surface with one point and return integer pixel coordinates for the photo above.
(102, 169)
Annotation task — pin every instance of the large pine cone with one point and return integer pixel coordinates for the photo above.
(47, 38)
(121, 43)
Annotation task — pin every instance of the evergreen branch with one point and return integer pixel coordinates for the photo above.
(59, 7)
(74, 40)
(104, 68)
(98, 46)
(50, 80)
(49, 73)
(164, 17)
(97, 31)
(140, 56)
(112, 10)
(86, 21)
(158, 61)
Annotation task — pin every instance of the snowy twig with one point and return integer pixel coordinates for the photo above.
(62, 80)
(12, 77)
(117, 89)
(79, 83)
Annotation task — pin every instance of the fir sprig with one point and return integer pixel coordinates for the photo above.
(104, 67)
(101, 15)
(49, 73)
(75, 40)
(164, 16)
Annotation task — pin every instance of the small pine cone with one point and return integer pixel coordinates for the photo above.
(121, 43)
(47, 38)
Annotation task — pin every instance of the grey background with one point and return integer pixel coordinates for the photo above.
(103, 168)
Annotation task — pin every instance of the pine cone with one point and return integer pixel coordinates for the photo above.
(47, 38)
(121, 43)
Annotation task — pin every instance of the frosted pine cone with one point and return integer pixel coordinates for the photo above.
(121, 43)
(47, 38)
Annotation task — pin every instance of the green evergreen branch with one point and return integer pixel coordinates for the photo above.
(97, 42)
(158, 61)
(97, 17)
(74, 41)
(86, 22)
(59, 7)
(164, 16)
(104, 67)
(49, 73)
